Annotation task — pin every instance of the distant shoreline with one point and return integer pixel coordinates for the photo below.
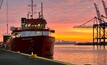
(63, 44)
(78, 44)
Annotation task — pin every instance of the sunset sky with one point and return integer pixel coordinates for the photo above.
(61, 16)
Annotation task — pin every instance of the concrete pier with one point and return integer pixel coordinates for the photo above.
(14, 58)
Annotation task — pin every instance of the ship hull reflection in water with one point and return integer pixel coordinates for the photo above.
(80, 55)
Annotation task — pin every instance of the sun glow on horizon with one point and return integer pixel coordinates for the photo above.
(78, 35)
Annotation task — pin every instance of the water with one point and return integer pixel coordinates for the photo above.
(80, 55)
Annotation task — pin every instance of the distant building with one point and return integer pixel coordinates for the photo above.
(64, 42)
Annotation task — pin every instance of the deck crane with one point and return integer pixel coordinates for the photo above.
(1, 2)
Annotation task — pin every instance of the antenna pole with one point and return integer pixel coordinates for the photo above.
(41, 10)
(7, 16)
(32, 8)
(1, 2)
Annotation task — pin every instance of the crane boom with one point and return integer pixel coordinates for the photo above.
(99, 18)
(104, 5)
(84, 24)
(98, 13)
(1, 2)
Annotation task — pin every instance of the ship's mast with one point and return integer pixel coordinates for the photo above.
(7, 16)
(32, 9)
(1, 2)
(41, 10)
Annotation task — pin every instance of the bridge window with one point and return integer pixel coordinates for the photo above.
(35, 25)
(29, 25)
(39, 25)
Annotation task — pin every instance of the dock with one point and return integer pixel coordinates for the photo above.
(16, 58)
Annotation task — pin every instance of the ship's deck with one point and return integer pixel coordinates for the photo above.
(12, 58)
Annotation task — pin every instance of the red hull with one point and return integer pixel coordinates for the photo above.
(41, 45)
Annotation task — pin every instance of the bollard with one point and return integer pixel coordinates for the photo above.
(18, 51)
(33, 55)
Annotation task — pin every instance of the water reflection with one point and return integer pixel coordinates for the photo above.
(100, 57)
(80, 55)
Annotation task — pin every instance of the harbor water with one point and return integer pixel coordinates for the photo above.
(80, 55)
